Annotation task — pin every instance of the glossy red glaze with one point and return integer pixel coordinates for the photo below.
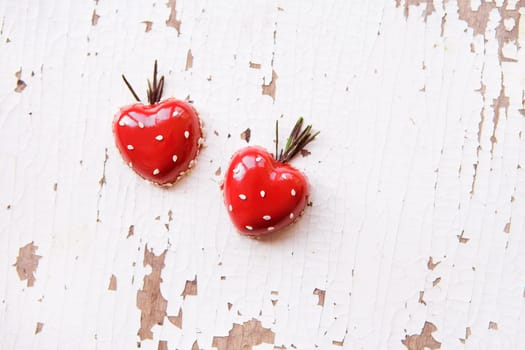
(160, 141)
(263, 195)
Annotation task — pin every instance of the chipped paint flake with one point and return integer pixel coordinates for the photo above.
(131, 231)
(246, 134)
(431, 265)
(462, 239)
(20, 84)
(176, 320)
(163, 345)
(27, 263)
(270, 88)
(320, 294)
(39, 327)
(428, 10)
(150, 301)
(172, 21)
(189, 60)
(423, 340)
(436, 281)
(149, 25)
(244, 336)
(112, 283)
(190, 288)
(94, 18)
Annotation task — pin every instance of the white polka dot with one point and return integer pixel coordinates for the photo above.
(263, 194)
(141, 125)
(156, 172)
(249, 228)
(284, 176)
(130, 147)
(174, 158)
(258, 158)
(186, 134)
(242, 196)
(292, 192)
(291, 216)
(230, 208)
(175, 113)
(271, 228)
(267, 217)
(159, 137)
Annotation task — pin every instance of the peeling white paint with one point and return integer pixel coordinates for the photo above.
(418, 152)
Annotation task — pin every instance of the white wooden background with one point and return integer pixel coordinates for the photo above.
(416, 235)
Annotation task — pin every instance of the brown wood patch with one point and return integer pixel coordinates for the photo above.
(244, 336)
(27, 263)
(424, 340)
(190, 288)
(150, 301)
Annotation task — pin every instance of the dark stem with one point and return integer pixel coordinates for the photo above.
(130, 88)
(154, 91)
(276, 156)
(296, 142)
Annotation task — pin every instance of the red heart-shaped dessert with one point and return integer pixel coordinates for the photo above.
(160, 140)
(263, 194)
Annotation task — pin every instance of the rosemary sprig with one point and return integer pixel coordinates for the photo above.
(154, 91)
(297, 140)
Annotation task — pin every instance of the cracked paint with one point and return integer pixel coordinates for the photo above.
(418, 180)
